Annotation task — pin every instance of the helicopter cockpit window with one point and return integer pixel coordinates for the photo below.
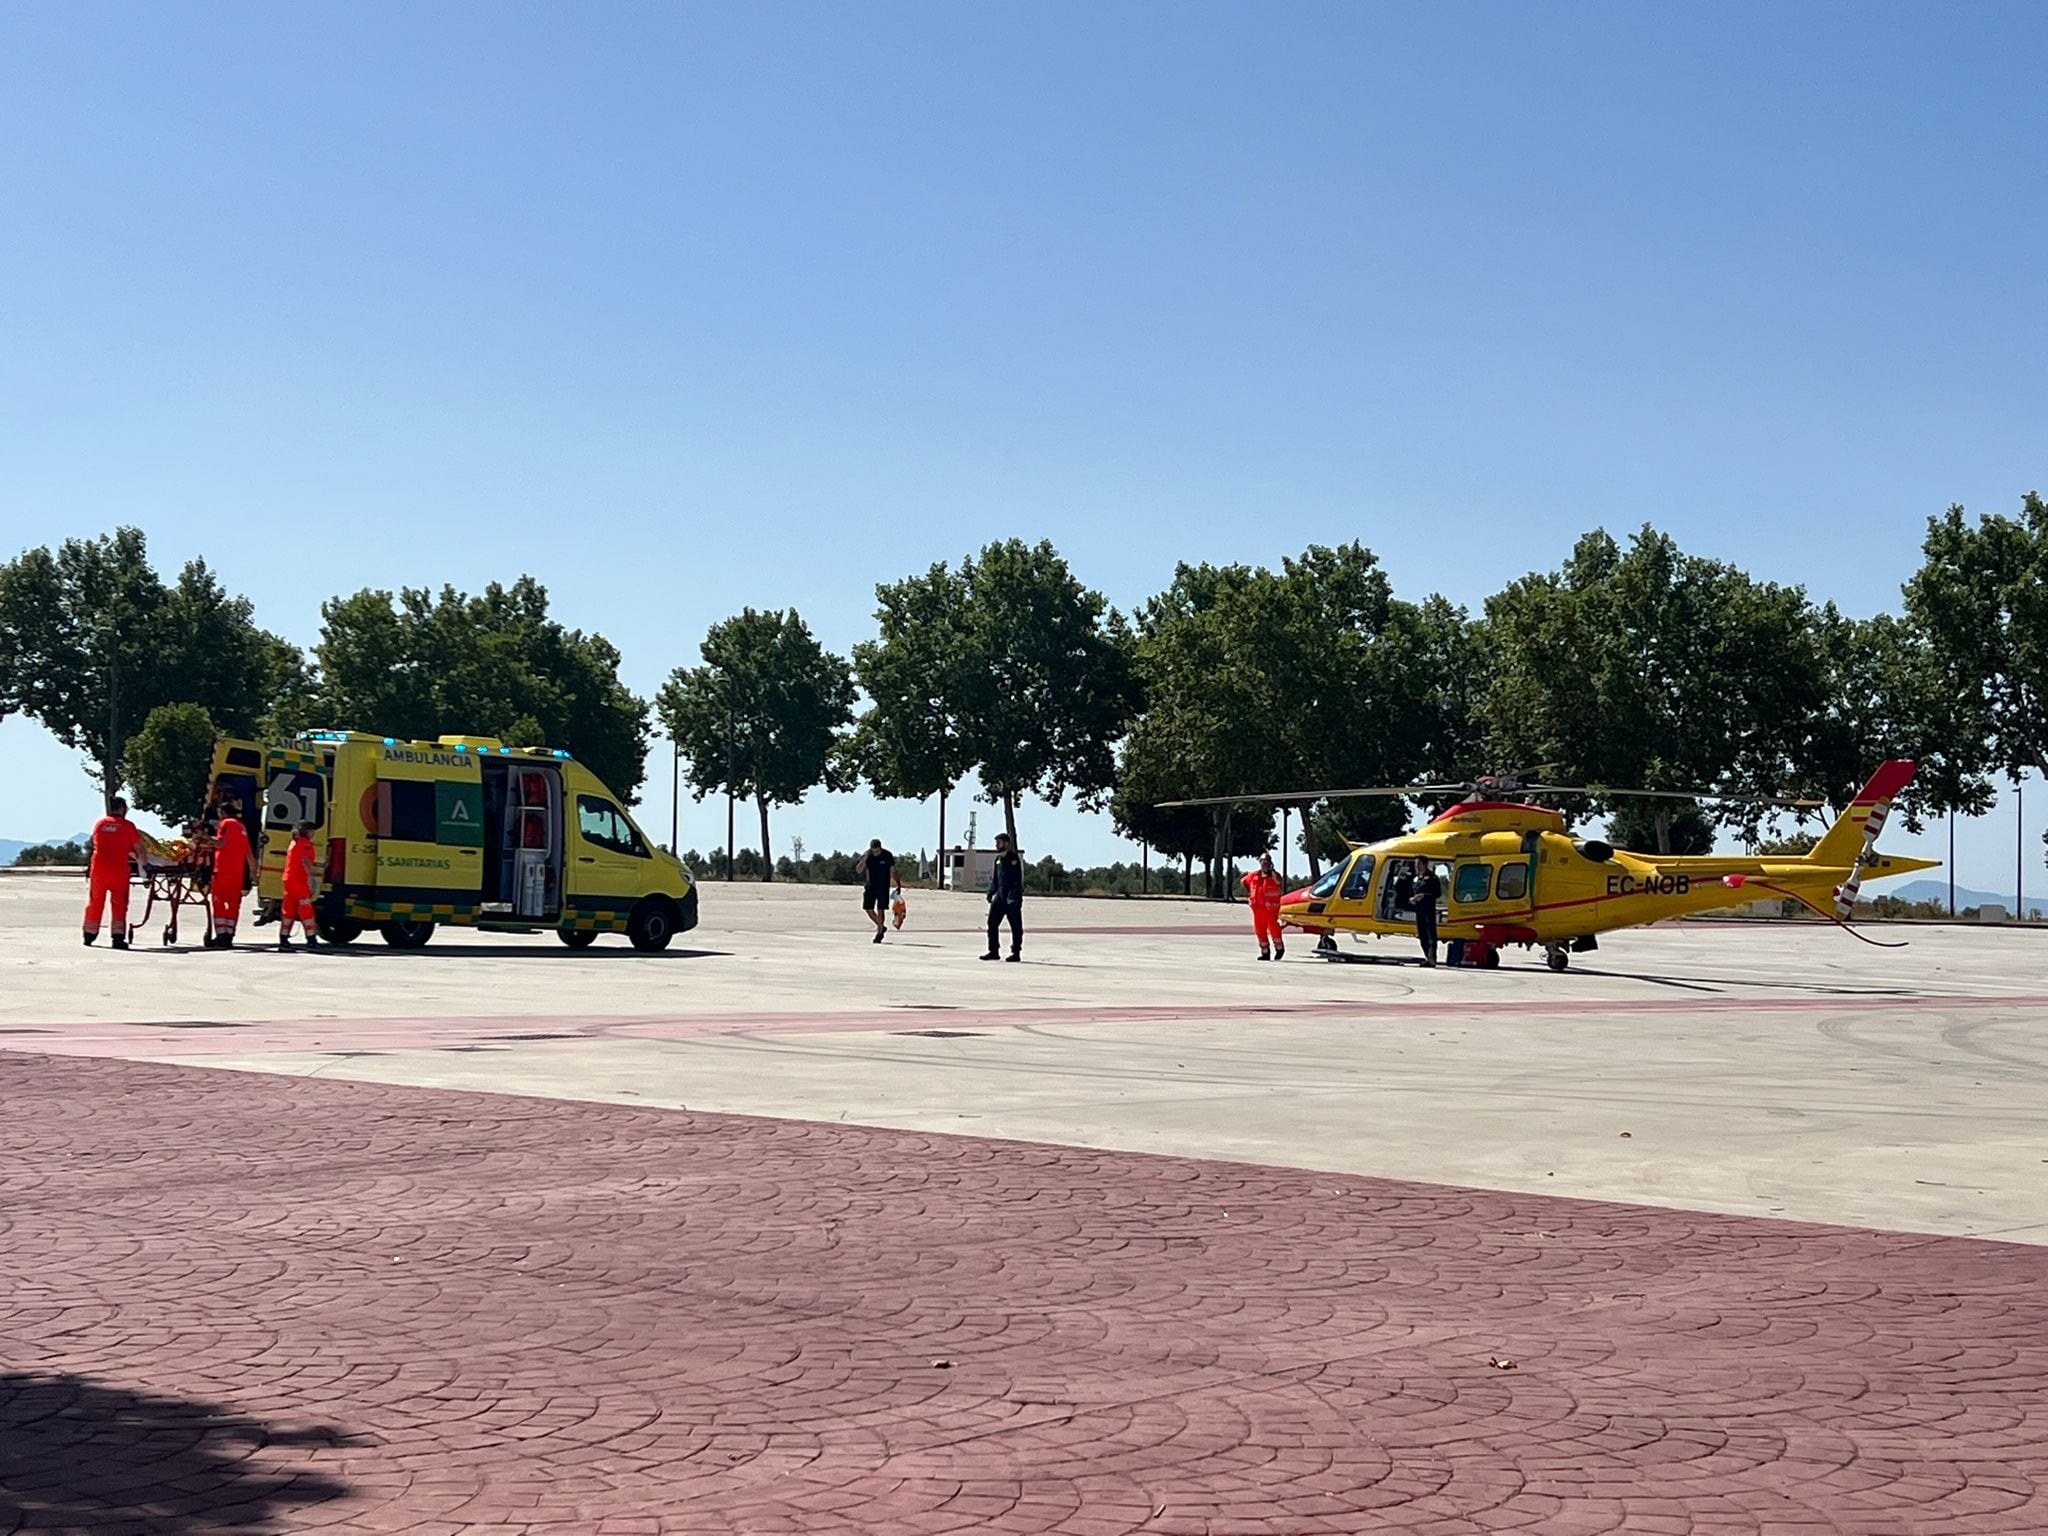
(1474, 881)
(1326, 887)
(1359, 880)
(1513, 883)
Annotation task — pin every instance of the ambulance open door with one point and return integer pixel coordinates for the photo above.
(529, 861)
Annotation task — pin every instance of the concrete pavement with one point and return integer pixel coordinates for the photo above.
(1752, 1069)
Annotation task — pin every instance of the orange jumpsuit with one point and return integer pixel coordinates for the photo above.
(1263, 891)
(114, 841)
(298, 887)
(230, 871)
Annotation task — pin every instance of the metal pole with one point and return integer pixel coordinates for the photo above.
(1144, 869)
(113, 717)
(2019, 850)
(675, 799)
(1951, 863)
(1285, 811)
(732, 857)
(942, 836)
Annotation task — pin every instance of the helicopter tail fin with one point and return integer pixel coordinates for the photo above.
(1850, 842)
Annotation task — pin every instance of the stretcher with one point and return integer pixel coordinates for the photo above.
(176, 875)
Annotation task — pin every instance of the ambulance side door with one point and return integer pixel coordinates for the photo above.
(428, 821)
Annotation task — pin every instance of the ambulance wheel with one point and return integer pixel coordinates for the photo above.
(344, 931)
(577, 938)
(1557, 959)
(407, 933)
(652, 925)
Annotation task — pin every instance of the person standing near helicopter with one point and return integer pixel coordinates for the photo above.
(1262, 894)
(1428, 890)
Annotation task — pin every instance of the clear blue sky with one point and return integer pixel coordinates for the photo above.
(684, 307)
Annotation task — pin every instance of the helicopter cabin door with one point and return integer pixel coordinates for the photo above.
(1389, 908)
(1491, 888)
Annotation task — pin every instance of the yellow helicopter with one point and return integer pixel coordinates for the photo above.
(1511, 873)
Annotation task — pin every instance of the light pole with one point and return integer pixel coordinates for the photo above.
(1951, 862)
(675, 798)
(105, 634)
(2019, 850)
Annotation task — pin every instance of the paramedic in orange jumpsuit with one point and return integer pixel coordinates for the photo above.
(233, 863)
(298, 889)
(115, 842)
(1262, 888)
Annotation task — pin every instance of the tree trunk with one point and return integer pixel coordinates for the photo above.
(943, 790)
(1308, 846)
(1187, 874)
(767, 859)
(1010, 814)
(1664, 833)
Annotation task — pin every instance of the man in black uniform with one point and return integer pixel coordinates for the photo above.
(1006, 900)
(877, 869)
(1428, 888)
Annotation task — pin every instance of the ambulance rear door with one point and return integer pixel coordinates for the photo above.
(424, 813)
(296, 789)
(236, 784)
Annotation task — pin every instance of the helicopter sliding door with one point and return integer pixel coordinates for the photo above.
(1483, 890)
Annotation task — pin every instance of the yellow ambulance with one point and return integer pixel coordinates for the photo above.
(463, 830)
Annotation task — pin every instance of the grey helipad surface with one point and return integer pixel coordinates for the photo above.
(1756, 1069)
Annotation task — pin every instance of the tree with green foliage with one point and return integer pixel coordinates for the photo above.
(762, 717)
(1981, 598)
(92, 640)
(493, 664)
(1044, 676)
(1886, 697)
(1312, 676)
(917, 674)
(1660, 826)
(53, 856)
(1653, 669)
(170, 761)
(1186, 833)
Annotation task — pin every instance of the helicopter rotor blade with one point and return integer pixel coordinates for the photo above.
(1610, 792)
(1297, 796)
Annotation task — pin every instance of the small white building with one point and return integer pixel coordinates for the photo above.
(967, 869)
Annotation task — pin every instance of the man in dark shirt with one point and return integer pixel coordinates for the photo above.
(1428, 891)
(877, 869)
(1006, 900)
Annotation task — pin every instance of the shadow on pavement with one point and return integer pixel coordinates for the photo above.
(552, 952)
(79, 1454)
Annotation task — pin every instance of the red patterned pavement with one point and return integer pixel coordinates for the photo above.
(246, 1303)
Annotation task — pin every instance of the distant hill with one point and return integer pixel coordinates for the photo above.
(1937, 890)
(10, 848)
